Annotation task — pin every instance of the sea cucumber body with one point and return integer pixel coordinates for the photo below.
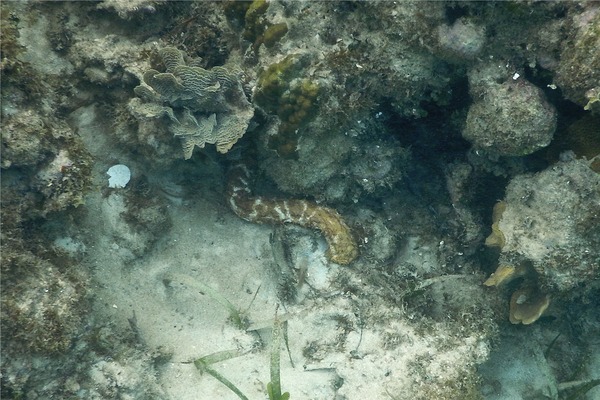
(342, 246)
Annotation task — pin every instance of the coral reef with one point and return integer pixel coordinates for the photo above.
(204, 106)
(321, 99)
(399, 125)
(503, 274)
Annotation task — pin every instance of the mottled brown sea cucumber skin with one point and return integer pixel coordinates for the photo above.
(342, 246)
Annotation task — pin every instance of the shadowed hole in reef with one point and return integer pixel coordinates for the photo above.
(435, 142)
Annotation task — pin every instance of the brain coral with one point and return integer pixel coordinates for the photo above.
(202, 106)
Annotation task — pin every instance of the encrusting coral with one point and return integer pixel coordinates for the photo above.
(202, 106)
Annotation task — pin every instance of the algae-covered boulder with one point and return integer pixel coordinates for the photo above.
(579, 66)
(462, 41)
(546, 229)
(511, 118)
(551, 222)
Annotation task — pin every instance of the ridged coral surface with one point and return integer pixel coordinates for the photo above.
(204, 106)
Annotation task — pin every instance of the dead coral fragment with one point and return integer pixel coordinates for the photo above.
(203, 106)
(527, 305)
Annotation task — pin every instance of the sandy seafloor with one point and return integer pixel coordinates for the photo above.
(209, 244)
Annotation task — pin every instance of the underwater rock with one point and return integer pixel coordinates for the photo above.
(550, 225)
(461, 41)
(42, 304)
(23, 139)
(579, 66)
(551, 220)
(546, 229)
(511, 118)
(49, 151)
